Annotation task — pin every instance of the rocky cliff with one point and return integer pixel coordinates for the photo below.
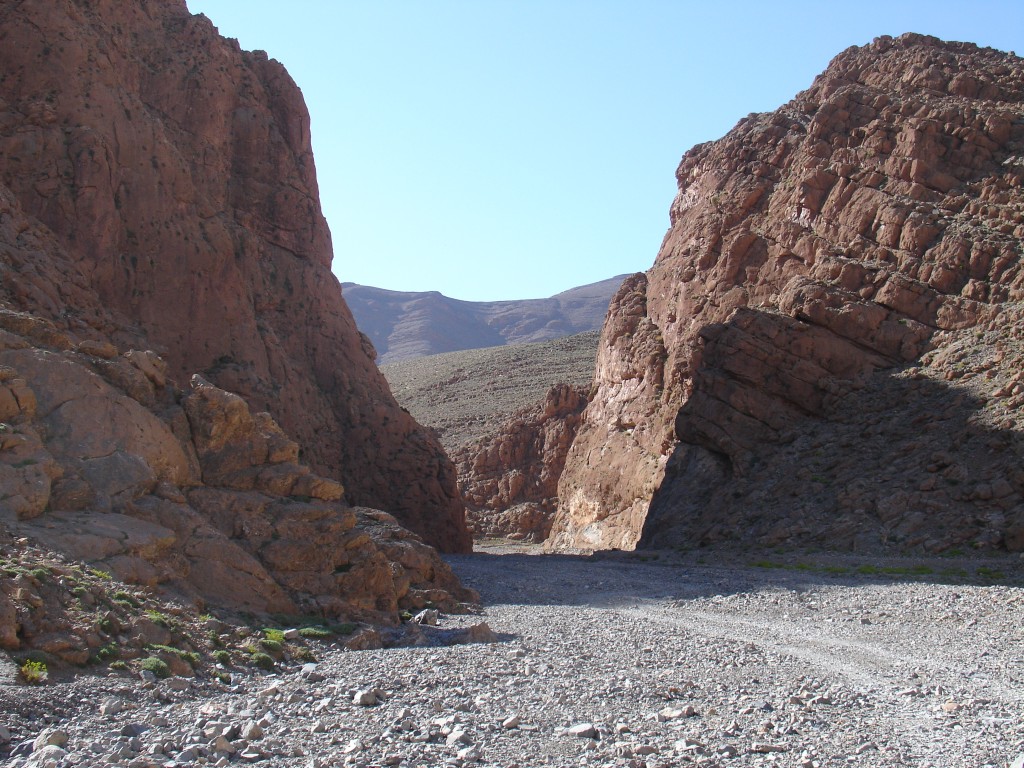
(174, 174)
(828, 348)
(509, 479)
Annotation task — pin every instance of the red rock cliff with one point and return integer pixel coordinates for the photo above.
(175, 171)
(828, 347)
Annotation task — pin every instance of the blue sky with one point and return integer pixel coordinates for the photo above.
(511, 149)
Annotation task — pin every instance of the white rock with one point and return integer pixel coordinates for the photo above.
(251, 731)
(365, 698)
(511, 722)
(50, 737)
(111, 707)
(428, 616)
(458, 736)
(50, 756)
(469, 754)
(582, 730)
(178, 683)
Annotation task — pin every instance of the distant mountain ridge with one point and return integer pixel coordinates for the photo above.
(406, 324)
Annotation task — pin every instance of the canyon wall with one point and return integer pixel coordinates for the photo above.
(173, 173)
(828, 348)
(509, 479)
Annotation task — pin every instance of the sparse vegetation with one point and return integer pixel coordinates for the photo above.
(157, 666)
(315, 633)
(262, 660)
(33, 672)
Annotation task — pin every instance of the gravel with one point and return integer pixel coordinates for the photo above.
(603, 661)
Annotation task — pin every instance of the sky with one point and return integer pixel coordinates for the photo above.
(513, 149)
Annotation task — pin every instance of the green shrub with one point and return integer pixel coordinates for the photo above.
(344, 629)
(190, 656)
(157, 666)
(108, 652)
(33, 672)
(274, 635)
(271, 646)
(222, 657)
(262, 660)
(161, 619)
(315, 633)
(118, 664)
(303, 654)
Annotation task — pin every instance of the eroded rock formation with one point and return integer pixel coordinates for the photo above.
(827, 349)
(174, 173)
(509, 480)
(104, 460)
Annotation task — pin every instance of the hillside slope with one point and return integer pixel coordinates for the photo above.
(827, 350)
(468, 395)
(404, 325)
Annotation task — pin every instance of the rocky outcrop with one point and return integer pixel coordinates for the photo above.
(510, 479)
(174, 172)
(827, 349)
(103, 460)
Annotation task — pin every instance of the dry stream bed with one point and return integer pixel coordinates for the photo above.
(612, 660)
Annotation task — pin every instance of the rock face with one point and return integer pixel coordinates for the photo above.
(174, 173)
(405, 325)
(829, 345)
(509, 480)
(103, 460)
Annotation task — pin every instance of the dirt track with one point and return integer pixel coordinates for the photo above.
(851, 668)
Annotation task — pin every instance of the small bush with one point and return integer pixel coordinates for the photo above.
(222, 657)
(303, 654)
(105, 575)
(315, 633)
(262, 660)
(162, 619)
(271, 646)
(157, 666)
(344, 629)
(190, 656)
(274, 635)
(108, 652)
(118, 664)
(33, 672)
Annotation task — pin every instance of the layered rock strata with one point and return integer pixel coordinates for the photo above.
(827, 349)
(175, 173)
(509, 479)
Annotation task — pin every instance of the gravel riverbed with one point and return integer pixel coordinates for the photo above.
(602, 661)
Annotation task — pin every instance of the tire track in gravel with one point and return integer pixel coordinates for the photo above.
(861, 662)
